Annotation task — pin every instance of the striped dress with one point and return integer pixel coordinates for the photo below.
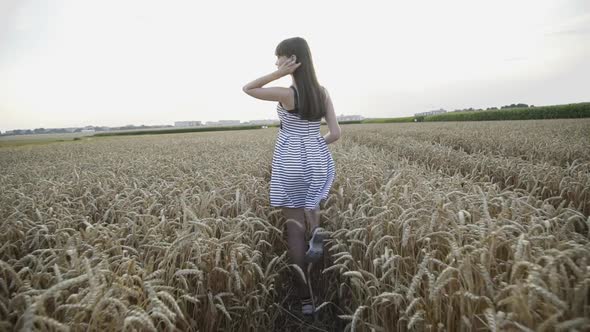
(302, 166)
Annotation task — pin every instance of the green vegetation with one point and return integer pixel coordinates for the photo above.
(388, 120)
(577, 110)
(204, 129)
(31, 142)
(177, 130)
(509, 112)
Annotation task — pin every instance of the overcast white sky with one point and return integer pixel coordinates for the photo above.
(112, 63)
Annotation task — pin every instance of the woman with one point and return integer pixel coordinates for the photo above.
(302, 166)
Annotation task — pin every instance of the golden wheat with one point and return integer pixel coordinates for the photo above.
(433, 226)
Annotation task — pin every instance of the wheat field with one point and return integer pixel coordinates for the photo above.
(465, 226)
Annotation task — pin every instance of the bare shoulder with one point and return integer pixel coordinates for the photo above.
(326, 97)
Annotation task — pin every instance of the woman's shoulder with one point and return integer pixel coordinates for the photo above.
(325, 93)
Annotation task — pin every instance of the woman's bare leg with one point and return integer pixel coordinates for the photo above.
(313, 217)
(296, 242)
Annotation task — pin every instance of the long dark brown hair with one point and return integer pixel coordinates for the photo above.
(310, 104)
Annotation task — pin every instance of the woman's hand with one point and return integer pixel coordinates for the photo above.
(288, 67)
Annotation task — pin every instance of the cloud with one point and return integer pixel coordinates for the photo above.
(114, 63)
(574, 25)
(8, 12)
(520, 58)
(580, 31)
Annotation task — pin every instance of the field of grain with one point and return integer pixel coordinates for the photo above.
(458, 226)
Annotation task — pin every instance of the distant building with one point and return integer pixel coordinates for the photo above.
(430, 112)
(223, 123)
(187, 123)
(343, 117)
(261, 122)
(229, 122)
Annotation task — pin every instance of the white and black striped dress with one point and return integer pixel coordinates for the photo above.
(302, 166)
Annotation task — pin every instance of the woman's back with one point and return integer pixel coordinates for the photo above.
(292, 124)
(329, 116)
